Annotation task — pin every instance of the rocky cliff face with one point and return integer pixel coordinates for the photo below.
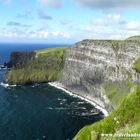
(90, 63)
(19, 58)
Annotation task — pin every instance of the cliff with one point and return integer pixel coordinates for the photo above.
(93, 65)
(19, 58)
(36, 67)
(123, 120)
(106, 72)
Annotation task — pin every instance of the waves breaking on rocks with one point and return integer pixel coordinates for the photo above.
(61, 87)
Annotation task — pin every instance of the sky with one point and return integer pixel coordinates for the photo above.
(68, 21)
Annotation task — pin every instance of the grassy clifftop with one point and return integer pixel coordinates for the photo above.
(124, 119)
(46, 66)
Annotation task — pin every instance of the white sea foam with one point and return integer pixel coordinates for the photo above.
(58, 99)
(81, 103)
(4, 85)
(7, 85)
(64, 100)
(60, 86)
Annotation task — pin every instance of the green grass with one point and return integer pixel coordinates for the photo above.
(124, 119)
(136, 65)
(116, 91)
(45, 67)
(111, 89)
(51, 50)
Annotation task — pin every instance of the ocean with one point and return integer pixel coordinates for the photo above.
(6, 49)
(40, 112)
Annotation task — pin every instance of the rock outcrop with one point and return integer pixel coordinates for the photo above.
(90, 63)
(19, 58)
(134, 38)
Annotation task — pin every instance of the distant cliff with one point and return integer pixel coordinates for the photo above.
(36, 67)
(18, 58)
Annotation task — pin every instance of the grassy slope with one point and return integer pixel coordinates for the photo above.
(116, 91)
(124, 119)
(137, 65)
(46, 67)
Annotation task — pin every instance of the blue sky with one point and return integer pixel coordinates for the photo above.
(68, 21)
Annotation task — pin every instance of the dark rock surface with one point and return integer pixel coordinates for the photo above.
(19, 58)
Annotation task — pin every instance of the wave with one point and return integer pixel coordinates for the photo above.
(61, 87)
(65, 108)
(7, 85)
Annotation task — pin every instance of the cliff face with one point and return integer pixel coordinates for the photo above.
(92, 63)
(18, 58)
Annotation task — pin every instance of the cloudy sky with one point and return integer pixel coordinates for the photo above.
(68, 21)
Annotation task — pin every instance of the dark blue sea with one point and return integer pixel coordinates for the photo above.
(39, 112)
(6, 49)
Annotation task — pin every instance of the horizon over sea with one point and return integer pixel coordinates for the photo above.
(7, 48)
(40, 112)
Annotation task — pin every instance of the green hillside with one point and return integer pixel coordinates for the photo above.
(124, 119)
(46, 66)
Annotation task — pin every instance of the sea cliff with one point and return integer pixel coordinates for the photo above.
(20, 58)
(36, 67)
(91, 66)
(106, 72)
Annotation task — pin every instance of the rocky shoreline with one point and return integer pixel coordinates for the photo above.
(88, 99)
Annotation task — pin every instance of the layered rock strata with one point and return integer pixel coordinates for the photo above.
(90, 63)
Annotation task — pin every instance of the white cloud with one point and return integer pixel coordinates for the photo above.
(33, 34)
(109, 20)
(132, 25)
(92, 31)
(99, 22)
(56, 33)
(111, 27)
(52, 3)
(114, 17)
(117, 18)
(110, 4)
(42, 34)
(60, 34)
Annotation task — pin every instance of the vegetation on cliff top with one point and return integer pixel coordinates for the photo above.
(124, 119)
(46, 66)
